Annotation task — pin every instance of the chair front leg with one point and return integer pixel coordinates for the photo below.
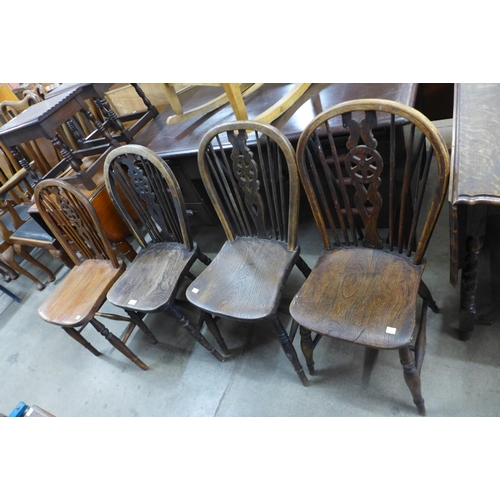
(307, 346)
(75, 334)
(214, 330)
(137, 319)
(117, 343)
(289, 350)
(412, 378)
(198, 336)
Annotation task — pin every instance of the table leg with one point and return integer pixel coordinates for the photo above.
(476, 226)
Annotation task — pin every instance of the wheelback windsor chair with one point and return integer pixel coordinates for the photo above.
(250, 174)
(77, 299)
(149, 199)
(366, 190)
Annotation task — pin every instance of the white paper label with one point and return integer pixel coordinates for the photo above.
(195, 290)
(132, 302)
(390, 330)
(78, 317)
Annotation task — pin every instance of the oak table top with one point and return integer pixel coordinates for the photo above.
(475, 176)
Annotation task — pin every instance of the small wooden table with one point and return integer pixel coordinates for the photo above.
(43, 120)
(474, 187)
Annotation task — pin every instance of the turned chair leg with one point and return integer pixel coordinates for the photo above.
(371, 356)
(289, 350)
(72, 332)
(425, 294)
(306, 344)
(412, 378)
(214, 330)
(117, 343)
(137, 319)
(198, 336)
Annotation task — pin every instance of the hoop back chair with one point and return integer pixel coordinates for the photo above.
(254, 187)
(375, 194)
(77, 300)
(148, 198)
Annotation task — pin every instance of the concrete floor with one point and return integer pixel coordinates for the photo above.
(41, 365)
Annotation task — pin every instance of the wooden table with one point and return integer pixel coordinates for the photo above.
(178, 143)
(474, 188)
(43, 120)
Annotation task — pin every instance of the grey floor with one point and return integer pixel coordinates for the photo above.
(41, 365)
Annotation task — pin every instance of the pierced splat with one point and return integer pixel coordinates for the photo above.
(148, 195)
(142, 187)
(364, 165)
(363, 129)
(246, 170)
(88, 245)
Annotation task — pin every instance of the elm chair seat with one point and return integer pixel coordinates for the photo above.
(151, 281)
(244, 280)
(87, 286)
(333, 301)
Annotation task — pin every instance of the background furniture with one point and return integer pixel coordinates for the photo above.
(77, 299)
(368, 198)
(255, 193)
(474, 193)
(178, 144)
(43, 120)
(147, 195)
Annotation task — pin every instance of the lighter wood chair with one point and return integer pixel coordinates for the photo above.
(234, 94)
(376, 194)
(251, 178)
(147, 195)
(77, 300)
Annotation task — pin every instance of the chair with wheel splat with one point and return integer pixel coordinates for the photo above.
(249, 171)
(376, 174)
(77, 299)
(148, 197)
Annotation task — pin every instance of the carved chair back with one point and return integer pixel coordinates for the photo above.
(366, 158)
(250, 173)
(73, 221)
(147, 195)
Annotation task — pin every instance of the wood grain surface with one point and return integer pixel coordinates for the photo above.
(245, 279)
(81, 294)
(476, 144)
(152, 279)
(356, 293)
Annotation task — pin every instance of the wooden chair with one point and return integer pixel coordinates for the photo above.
(148, 197)
(254, 187)
(376, 194)
(18, 232)
(234, 93)
(77, 300)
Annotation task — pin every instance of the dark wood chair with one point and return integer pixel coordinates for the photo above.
(77, 300)
(148, 197)
(376, 194)
(249, 171)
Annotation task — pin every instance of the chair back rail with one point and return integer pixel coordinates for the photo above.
(147, 194)
(250, 173)
(374, 176)
(73, 221)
